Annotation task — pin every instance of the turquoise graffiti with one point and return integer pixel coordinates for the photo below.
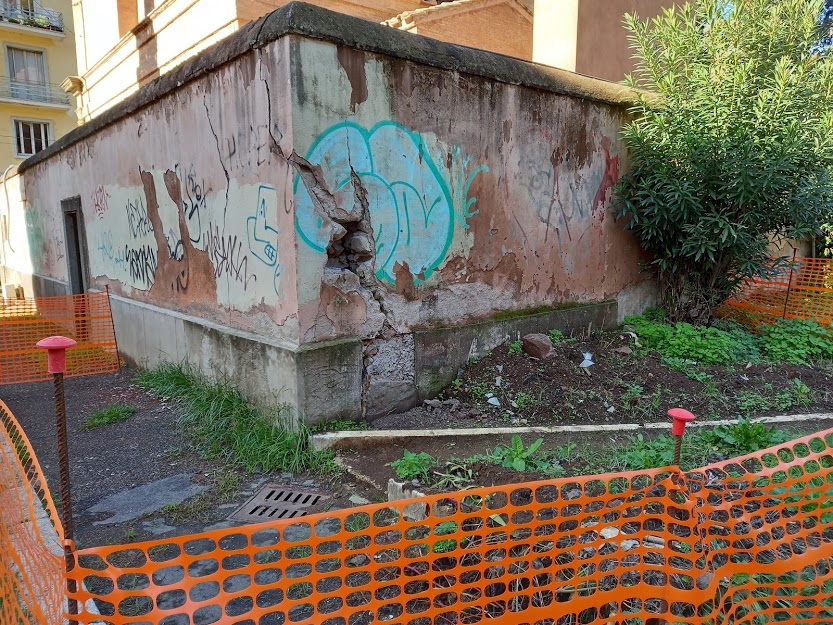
(263, 239)
(413, 203)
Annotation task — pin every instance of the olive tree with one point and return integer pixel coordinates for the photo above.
(730, 143)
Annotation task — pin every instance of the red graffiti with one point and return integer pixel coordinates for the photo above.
(100, 200)
(609, 177)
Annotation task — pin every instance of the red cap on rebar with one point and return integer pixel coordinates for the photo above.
(56, 347)
(681, 417)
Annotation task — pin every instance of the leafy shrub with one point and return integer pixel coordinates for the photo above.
(797, 341)
(741, 438)
(733, 148)
(414, 466)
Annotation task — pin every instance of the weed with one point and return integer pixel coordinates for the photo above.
(516, 455)
(741, 438)
(515, 348)
(644, 454)
(223, 425)
(455, 476)
(797, 341)
(114, 413)
(799, 393)
(130, 535)
(414, 466)
(172, 453)
(524, 400)
(556, 336)
(457, 383)
(194, 509)
(632, 394)
(752, 402)
(227, 487)
(339, 425)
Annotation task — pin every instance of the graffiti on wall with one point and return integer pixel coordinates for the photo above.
(412, 204)
(570, 196)
(99, 200)
(173, 231)
(263, 239)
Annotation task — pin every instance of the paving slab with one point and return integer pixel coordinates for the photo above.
(133, 503)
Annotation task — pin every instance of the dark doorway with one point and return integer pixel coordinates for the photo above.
(75, 245)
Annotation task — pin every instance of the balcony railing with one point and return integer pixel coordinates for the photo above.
(33, 15)
(33, 91)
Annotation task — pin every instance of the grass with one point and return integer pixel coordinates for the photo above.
(194, 509)
(224, 425)
(114, 413)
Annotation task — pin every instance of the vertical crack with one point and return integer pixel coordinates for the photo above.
(220, 156)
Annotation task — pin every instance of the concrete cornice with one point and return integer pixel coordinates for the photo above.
(305, 20)
(440, 11)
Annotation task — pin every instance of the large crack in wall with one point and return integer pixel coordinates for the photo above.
(351, 263)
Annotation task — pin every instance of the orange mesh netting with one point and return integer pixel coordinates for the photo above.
(85, 318)
(802, 289)
(31, 560)
(744, 541)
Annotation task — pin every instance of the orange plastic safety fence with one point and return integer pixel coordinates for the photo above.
(802, 289)
(31, 564)
(745, 541)
(85, 318)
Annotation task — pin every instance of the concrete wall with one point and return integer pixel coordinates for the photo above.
(588, 36)
(334, 198)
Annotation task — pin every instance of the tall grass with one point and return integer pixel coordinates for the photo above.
(224, 425)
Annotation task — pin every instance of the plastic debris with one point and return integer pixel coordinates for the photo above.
(588, 360)
(494, 401)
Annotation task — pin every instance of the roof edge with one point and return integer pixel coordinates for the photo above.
(298, 18)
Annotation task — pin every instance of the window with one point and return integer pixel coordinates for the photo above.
(30, 137)
(27, 74)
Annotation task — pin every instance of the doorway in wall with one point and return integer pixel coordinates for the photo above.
(76, 249)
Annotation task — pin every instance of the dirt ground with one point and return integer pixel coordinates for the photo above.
(618, 388)
(143, 449)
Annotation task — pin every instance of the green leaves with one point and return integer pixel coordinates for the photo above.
(738, 147)
(414, 466)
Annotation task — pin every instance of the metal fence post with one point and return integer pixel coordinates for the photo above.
(680, 417)
(56, 347)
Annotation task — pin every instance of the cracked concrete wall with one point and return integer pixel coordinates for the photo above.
(338, 202)
(185, 202)
(430, 198)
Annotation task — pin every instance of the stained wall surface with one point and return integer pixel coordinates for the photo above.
(308, 193)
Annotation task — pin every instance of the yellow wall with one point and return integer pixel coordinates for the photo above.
(60, 63)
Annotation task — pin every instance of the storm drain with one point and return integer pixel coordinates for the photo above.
(276, 502)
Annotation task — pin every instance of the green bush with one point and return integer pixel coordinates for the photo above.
(729, 142)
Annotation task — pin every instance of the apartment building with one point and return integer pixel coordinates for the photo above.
(38, 55)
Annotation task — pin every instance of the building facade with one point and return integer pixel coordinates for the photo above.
(38, 55)
(124, 44)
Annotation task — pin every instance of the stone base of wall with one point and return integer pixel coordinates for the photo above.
(34, 285)
(319, 382)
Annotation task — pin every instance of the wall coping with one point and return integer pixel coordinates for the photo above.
(305, 20)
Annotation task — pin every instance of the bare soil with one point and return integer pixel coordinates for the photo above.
(617, 388)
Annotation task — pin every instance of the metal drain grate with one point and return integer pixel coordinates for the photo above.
(276, 502)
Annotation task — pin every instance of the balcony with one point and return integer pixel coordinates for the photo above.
(30, 15)
(40, 93)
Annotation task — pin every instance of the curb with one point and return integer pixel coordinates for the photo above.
(361, 438)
